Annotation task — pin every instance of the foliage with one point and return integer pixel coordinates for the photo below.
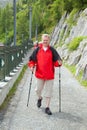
(45, 14)
(68, 6)
(71, 68)
(57, 10)
(72, 20)
(22, 25)
(80, 4)
(6, 22)
(79, 77)
(75, 43)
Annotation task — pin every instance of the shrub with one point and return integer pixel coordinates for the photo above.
(75, 43)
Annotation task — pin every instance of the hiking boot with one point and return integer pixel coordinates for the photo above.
(39, 102)
(47, 111)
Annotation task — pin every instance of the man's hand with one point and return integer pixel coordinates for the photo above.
(60, 62)
(32, 69)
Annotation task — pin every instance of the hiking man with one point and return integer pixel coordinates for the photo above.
(44, 58)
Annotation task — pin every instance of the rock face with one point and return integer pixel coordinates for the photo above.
(63, 33)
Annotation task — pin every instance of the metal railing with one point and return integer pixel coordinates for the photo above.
(11, 57)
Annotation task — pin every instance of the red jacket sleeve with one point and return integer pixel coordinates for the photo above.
(56, 64)
(31, 64)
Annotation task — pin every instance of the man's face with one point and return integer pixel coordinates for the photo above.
(46, 41)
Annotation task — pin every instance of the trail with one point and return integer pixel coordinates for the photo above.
(73, 115)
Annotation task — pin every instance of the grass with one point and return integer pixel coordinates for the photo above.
(71, 20)
(71, 68)
(13, 89)
(82, 82)
(79, 77)
(75, 43)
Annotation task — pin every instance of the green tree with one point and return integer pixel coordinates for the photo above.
(6, 23)
(36, 18)
(68, 5)
(80, 4)
(57, 9)
(45, 14)
(22, 26)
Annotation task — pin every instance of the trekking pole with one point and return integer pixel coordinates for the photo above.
(59, 89)
(29, 89)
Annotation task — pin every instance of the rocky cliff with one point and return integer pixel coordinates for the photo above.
(71, 34)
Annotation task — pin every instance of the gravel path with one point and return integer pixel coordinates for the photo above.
(74, 106)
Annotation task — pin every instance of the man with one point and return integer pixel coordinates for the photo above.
(45, 58)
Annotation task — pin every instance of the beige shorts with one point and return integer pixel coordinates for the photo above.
(47, 85)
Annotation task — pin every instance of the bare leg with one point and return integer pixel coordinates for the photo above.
(47, 110)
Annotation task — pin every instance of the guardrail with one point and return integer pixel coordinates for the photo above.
(11, 57)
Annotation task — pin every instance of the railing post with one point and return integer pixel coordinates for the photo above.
(30, 22)
(2, 63)
(14, 5)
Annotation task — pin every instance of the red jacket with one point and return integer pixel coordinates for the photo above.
(45, 62)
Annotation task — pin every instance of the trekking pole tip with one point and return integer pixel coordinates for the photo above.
(59, 110)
